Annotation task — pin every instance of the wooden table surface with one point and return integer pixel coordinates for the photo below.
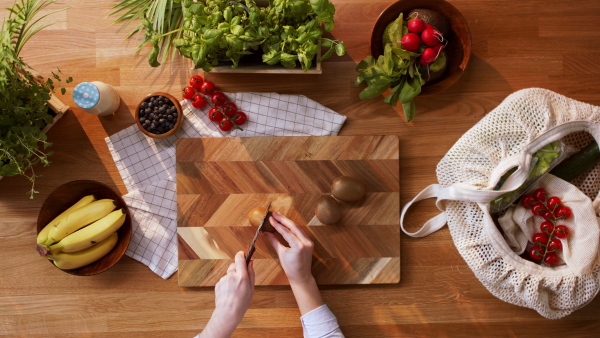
(516, 44)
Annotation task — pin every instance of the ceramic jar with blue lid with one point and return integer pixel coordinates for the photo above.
(96, 98)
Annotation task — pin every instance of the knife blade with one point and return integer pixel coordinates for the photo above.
(251, 250)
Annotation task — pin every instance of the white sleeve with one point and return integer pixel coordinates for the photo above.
(321, 323)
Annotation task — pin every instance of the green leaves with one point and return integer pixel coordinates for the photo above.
(23, 97)
(395, 69)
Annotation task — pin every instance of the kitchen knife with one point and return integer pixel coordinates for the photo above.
(250, 250)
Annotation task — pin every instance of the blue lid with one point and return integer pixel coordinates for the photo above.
(86, 95)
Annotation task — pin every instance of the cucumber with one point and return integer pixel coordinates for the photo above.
(577, 163)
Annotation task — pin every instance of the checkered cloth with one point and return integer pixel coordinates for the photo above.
(147, 165)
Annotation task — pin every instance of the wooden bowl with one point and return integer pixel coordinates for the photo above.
(458, 50)
(177, 123)
(68, 194)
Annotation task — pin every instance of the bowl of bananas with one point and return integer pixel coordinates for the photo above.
(84, 228)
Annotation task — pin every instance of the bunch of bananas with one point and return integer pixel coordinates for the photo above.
(82, 234)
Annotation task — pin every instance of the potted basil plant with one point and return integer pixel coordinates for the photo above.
(24, 97)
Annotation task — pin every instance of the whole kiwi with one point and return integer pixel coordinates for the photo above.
(348, 189)
(327, 210)
(255, 216)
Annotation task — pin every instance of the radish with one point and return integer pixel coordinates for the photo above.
(431, 37)
(438, 47)
(416, 25)
(429, 26)
(428, 56)
(411, 42)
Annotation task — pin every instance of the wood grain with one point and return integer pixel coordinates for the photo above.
(219, 181)
(515, 44)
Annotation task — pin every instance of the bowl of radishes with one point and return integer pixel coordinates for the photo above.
(432, 29)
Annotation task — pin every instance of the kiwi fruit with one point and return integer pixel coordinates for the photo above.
(434, 18)
(348, 189)
(255, 216)
(327, 210)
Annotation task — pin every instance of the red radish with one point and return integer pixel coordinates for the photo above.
(416, 25)
(438, 47)
(429, 55)
(431, 37)
(429, 26)
(411, 42)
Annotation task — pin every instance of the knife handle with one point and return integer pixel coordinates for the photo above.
(249, 254)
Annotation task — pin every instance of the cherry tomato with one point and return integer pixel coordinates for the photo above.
(207, 88)
(547, 215)
(551, 259)
(196, 82)
(547, 227)
(562, 231)
(540, 239)
(229, 108)
(555, 245)
(225, 124)
(540, 194)
(240, 118)
(215, 115)
(554, 202)
(536, 253)
(198, 101)
(527, 200)
(538, 208)
(188, 92)
(563, 212)
(218, 99)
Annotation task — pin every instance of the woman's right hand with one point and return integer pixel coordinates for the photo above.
(297, 258)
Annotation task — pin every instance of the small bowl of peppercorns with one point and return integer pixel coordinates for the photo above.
(159, 115)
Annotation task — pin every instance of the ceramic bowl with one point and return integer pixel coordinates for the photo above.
(177, 123)
(458, 50)
(68, 194)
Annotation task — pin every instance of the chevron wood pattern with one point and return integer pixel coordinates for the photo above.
(219, 180)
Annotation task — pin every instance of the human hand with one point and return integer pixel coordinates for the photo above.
(297, 258)
(233, 294)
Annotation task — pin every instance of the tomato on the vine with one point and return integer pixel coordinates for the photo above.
(538, 208)
(540, 194)
(225, 124)
(554, 202)
(540, 239)
(240, 118)
(215, 115)
(198, 101)
(207, 88)
(188, 93)
(536, 253)
(196, 82)
(563, 212)
(218, 99)
(555, 245)
(561, 231)
(551, 259)
(229, 108)
(527, 200)
(547, 215)
(547, 227)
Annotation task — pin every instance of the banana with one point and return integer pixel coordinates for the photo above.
(91, 234)
(67, 261)
(79, 218)
(43, 235)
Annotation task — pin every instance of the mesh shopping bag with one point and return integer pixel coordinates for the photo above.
(505, 141)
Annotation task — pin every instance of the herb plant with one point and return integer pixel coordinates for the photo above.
(23, 96)
(288, 32)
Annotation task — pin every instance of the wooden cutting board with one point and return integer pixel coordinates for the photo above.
(219, 180)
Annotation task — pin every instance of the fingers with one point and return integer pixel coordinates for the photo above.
(291, 226)
(251, 273)
(292, 239)
(240, 263)
(279, 248)
(231, 268)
